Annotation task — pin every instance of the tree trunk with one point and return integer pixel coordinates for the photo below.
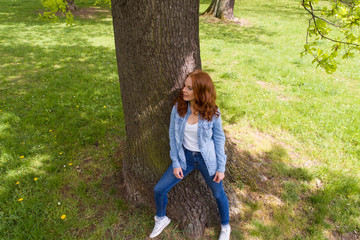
(157, 45)
(71, 5)
(223, 9)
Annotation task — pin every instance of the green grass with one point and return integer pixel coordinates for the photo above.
(60, 103)
(264, 86)
(60, 108)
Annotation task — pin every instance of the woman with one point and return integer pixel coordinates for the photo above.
(196, 142)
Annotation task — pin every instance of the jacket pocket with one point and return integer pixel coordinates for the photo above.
(178, 122)
(207, 129)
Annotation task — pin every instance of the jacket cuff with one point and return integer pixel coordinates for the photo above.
(221, 169)
(176, 165)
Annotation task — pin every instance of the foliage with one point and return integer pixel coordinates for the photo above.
(334, 21)
(103, 1)
(53, 94)
(54, 7)
(265, 91)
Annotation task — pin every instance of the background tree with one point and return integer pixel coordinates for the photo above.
(157, 45)
(71, 5)
(336, 22)
(223, 9)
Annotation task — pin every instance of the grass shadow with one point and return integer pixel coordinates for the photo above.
(286, 10)
(282, 201)
(26, 11)
(58, 103)
(231, 33)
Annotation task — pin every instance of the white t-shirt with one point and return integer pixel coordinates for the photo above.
(191, 137)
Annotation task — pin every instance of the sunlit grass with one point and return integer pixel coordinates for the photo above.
(269, 94)
(54, 86)
(61, 122)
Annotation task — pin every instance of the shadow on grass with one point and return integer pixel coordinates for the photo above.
(56, 102)
(287, 11)
(26, 12)
(234, 33)
(281, 201)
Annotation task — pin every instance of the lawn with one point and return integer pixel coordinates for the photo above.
(62, 128)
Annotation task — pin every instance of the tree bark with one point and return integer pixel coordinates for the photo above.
(71, 5)
(157, 45)
(223, 9)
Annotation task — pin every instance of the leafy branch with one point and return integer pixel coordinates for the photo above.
(54, 8)
(341, 16)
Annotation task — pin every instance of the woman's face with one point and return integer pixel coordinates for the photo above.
(188, 90)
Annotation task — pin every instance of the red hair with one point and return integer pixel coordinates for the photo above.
(204, 93)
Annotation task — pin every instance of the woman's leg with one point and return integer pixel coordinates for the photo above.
(165, 184)
(218, 192)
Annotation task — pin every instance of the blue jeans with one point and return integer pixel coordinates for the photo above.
(194, 160)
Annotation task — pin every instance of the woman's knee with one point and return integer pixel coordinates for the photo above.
(158, 190)
(220, 194)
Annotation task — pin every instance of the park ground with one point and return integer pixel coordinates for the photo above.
(62, 129)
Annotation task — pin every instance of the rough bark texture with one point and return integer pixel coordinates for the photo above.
(157, 45)
(71, 5)
(223, 9)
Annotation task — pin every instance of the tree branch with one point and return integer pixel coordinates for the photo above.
(313, 16)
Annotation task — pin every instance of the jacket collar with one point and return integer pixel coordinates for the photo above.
(188, 113)
(188, 109)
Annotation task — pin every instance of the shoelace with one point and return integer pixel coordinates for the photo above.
(157, 225)
(224, 230)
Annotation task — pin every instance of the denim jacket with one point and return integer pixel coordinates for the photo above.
(211, 139)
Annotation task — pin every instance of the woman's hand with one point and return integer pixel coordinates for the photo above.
(178, 173)
(219, 176)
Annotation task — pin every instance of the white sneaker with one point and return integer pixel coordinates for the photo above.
(159, 226)
(225, 233)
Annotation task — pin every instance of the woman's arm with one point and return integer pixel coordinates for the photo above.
(173, 149)
(219, 142)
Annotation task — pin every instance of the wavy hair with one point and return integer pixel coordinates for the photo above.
(204, 93)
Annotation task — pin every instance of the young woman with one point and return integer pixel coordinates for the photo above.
(196, 142)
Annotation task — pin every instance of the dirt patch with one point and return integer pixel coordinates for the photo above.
(237, 21)
(242, 22)
(280, 180)
(91, 12)
(86, 13)
(255, 142)
(344, 236)
(270, 86)
(274, 88)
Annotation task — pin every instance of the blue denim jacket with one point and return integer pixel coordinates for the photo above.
(211, 139)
